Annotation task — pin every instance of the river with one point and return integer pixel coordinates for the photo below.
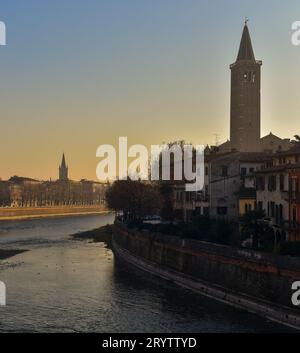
(66, 285)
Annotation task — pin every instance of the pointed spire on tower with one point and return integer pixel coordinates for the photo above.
(246, 51)
(63, 162)
(63, 169)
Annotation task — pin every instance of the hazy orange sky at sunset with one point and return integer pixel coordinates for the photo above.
(75, 76)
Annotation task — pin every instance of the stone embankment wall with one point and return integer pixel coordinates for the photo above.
(43, 212)
(264, 276)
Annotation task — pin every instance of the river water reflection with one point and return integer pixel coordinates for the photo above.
(64, 285)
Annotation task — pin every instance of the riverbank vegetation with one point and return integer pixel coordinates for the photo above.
(7, 253)
(200, 228)
(134, 199)
(137, 203)
(98, 235)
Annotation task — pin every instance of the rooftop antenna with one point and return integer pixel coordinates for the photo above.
(217, 142)
(246, 20)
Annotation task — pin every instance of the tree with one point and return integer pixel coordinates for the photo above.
(255, 226)
(135, 199)
(166, 187)
(167, 195)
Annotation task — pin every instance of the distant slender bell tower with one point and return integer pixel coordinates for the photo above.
(63, 170)
(245, 98)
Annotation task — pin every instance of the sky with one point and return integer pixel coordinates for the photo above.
(79, 74)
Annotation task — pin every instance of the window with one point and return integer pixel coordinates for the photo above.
(272, 207)
(179, 196)
(294, 184)
(248, 207)
(260, 183)
(224, 171)
(251, 170)
(280, 213)
(205, 211)
(222, 211)
(272, 183)
(281, 182)
(198, 211)
(249, 76)
(243, 171)
(206, 171)
(294, 215)
(277, 214)
(206, 191)
(189, 196)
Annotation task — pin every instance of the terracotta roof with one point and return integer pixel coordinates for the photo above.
(293, 150)
(255, 156)
(278, 168)
(17, 179)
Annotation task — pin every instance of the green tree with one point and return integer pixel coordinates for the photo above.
(297, 139)
(167, 196)
(254, 226)
(135, 199)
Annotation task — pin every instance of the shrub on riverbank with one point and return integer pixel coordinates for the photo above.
(6, 253)
(133, 198)
(201, 228)
(99, 235)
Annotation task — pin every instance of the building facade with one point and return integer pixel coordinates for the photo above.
(278, 186)
(232, 183)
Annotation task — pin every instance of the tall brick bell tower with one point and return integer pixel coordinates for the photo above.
(245, 98)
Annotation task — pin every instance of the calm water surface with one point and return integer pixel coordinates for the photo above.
(63, 285)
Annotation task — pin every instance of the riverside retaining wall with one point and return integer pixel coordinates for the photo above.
(15, 213)
(259, 275)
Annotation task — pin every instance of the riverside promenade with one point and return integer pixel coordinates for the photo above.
(19, 213)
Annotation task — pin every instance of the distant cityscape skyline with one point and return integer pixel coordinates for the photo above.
(75, 76)
(62, 174)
